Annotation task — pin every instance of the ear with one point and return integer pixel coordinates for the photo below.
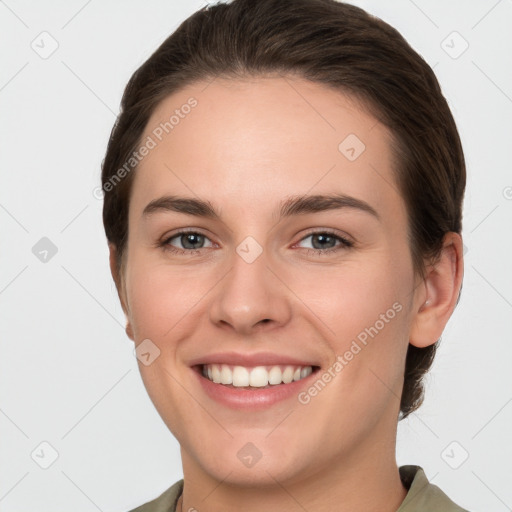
(115, 271)
(436, 300)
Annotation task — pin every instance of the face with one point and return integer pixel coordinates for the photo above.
(249, 266)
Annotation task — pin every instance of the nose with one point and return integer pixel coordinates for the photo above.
(251, 297)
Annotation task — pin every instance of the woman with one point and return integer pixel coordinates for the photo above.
(283, 194)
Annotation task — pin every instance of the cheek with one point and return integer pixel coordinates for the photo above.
(363, 311)
(164, 305)
(161, 298)
(351, 297)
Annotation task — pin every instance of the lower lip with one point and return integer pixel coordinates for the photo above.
(256, 398)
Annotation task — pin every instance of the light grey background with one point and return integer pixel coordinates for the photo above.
(68, 374)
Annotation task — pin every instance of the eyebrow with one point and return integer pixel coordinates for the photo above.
(296, 205)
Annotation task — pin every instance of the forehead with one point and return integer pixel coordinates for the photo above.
(250, 142)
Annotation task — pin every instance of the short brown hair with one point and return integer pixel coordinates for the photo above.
(335, 44)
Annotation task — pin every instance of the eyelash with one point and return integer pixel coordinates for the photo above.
(344, 243)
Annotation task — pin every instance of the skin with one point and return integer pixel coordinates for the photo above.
(247, 146)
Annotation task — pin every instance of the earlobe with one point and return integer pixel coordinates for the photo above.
(437, 299)
(129, 331)
(114, 270)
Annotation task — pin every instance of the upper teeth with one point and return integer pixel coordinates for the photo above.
(258, 376)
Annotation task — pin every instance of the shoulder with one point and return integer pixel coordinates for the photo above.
(422, 495)
(166, 502)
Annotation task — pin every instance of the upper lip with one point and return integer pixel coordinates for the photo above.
(255, 359)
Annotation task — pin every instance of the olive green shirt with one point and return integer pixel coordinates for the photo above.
(422, 496)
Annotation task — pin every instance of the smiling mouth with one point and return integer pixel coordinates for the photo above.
(255, 377)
